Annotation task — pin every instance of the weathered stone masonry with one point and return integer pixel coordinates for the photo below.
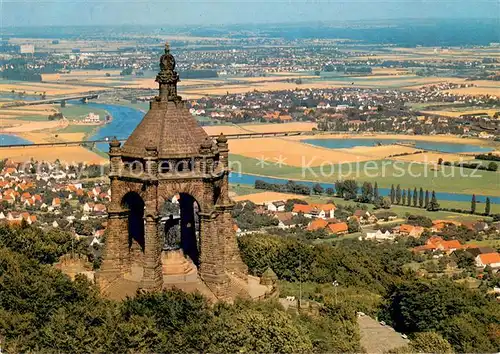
(168, 154)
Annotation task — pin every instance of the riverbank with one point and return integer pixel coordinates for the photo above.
(446, 179)
(382, 136)
(247, 182)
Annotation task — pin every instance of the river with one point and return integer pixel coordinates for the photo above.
(7, 139)
(455, 148)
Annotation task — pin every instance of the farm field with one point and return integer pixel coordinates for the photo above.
(435, 138)
(70, 154)
(38, 129)
(458, 113)
(27, 111)
(22, 126)
(486, 243)
(259, 128)
(224, 129)
(493, 91)
(82, 129)
(280, 127)
(80, 75)
(432, 157)
(384, 172)
(73, 111)
(290, 152)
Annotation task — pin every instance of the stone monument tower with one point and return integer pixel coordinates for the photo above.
(170, 156)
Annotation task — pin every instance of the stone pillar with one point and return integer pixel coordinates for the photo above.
(232, 258)
(223, 148)
(207, 156)
(152, 276)
(211, 268)
(115, 256)
(152, 279)
(152, 162)
(115, 158)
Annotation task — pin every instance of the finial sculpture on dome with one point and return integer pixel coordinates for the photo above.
(168, 77)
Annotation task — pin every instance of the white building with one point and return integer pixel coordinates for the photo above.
(276, 206)
(92, 118)
(491, 259)
(379, 235)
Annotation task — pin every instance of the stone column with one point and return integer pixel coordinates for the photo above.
(152, 279)
(207, 156)
(151, 162)
(115, 166)
(223, 149)
(211, 268)
(232, 258)
(115, 263)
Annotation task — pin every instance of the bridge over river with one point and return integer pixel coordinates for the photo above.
(84, 98)
(91, 143)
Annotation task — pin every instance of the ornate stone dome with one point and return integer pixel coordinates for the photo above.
(168, 126)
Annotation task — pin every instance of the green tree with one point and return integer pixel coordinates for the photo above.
(375, 191)
(415, 197)
(433, 205)
(353, 225)
(350, 189)
(473, 204)
(408, 197)
(398, 194)
(253, 328)
(421, 198)
(419, 220)
(492, 166)
(426, 199)
(366, 192)
(422, 305)
(83, 228)
(318, 189)
(467, 334)
(403, 197)
(386, 203)
(487, 206)
(393, 194)
(330, 191)
(429, 342)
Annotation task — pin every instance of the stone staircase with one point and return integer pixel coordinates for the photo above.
(177, 268)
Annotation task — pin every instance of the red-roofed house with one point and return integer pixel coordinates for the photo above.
(99, 208)
(25, 196)
(56, 202)
(438, 225)
(491, 259)
(323, 211)
(409, 230)
(436, 243)
(317, 224)
(340, 228)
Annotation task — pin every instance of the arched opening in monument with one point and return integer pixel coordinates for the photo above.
(179, 226)
(134, 205)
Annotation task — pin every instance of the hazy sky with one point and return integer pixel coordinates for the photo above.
(205, 12)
